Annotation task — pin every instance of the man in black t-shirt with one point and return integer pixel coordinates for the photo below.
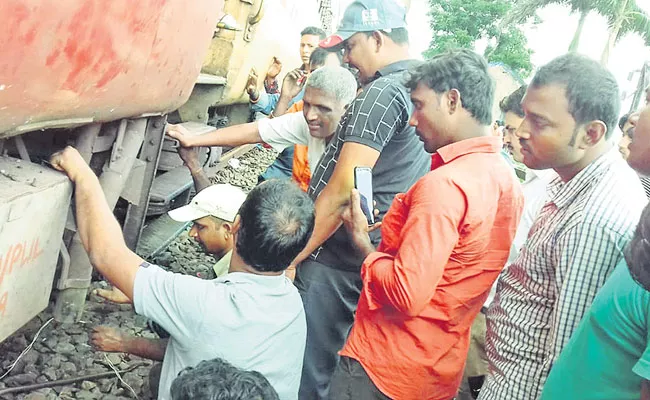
(374, 133)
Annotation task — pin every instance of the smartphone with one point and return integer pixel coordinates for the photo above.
(363, 183)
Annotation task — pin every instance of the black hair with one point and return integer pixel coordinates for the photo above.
(623, 120)
(277, 219)
(463, 70)
(218, 380)
(319, 55)
(591, 90)
(313, 30)
(397, 35)
(637, 253)
(512, 102)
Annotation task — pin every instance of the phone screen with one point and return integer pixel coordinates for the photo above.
(363, 183)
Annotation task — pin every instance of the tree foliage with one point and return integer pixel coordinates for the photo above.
(461, 23)
(623, 17)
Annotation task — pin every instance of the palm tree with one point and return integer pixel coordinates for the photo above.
(524, 9)
(623, 17)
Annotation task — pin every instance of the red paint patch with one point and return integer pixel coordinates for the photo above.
(51, 59)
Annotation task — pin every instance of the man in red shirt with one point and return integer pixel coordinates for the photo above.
(444, 243)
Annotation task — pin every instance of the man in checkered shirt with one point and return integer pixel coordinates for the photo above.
(374, 133)
(571, 109)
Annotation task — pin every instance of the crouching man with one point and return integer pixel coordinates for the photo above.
(246, 317)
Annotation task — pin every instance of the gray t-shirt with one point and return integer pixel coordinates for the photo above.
(254, 322)
(378, 118)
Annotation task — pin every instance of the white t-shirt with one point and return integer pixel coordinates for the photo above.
(252, 321)
(288, 130)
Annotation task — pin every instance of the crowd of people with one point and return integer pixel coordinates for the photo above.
(473, 284)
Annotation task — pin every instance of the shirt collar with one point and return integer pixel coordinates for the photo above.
(450, 152)
(269, 281)
(563, 193)
(541, 174)
(395, 67)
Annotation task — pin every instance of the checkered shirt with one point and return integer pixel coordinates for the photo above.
(573, 246)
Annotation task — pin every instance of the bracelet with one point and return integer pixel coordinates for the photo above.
(196, 171)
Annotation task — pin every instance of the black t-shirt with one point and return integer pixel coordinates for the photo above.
(378, 118)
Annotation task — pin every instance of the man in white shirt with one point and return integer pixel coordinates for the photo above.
(534, 186)
(247, 317)
(329, 90)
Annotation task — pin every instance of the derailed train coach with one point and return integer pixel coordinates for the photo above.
(104, 76)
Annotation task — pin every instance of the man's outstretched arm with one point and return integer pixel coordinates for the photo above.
(100, 233)
(231, 136)
(335, 197)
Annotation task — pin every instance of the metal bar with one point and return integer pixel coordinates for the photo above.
(86, 140)
(150, 153)
(22, 149)
(64, 382)
(70, 301)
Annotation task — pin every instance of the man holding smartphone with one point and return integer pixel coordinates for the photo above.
(444, 243)
(374, 133)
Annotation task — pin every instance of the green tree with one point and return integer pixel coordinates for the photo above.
(623, 17)
(461, 23)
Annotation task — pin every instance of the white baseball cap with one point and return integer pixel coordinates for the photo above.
(221, 201)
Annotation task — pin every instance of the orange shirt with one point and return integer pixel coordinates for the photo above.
(444, 243)
(301, 174)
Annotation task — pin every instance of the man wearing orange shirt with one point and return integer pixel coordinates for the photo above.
(444, 243)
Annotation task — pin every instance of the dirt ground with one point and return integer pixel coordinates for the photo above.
(64, 351)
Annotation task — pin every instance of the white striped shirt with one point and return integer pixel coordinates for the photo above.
(573, 246)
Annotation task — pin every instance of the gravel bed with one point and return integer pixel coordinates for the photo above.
(63, 351)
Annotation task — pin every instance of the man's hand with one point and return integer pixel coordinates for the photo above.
(190, 156)
(108, 339)
(251, 85)
(70, 161)
(274, 69)
(356, 224)
(181, 134)
(293, 83)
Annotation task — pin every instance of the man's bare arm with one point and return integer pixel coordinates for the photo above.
(231, 136)
(100, 233)
(335, 197)
(645, 390)
(109, 339)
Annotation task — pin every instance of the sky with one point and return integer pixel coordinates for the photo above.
(551, 38)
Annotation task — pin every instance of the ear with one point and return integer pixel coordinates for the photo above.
(453, 100)
(235, 225)
(594, 132)
(378, 39)
(228, 226)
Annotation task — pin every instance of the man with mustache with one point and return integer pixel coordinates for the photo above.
(578, 237)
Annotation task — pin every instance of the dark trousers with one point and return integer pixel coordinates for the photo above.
(351, 382)
(282, 167)
(330, 298)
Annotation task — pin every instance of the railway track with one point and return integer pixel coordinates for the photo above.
(171, 190)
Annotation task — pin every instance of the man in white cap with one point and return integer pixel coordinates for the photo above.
(213, 211)
(246, 317)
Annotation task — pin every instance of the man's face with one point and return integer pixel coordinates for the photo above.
(359, 52)
(639, 157)
(512, 122)
(626, 139)
(322, 112)
(548, 134)
(307, 44)
(211, 235)
(429, 118)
